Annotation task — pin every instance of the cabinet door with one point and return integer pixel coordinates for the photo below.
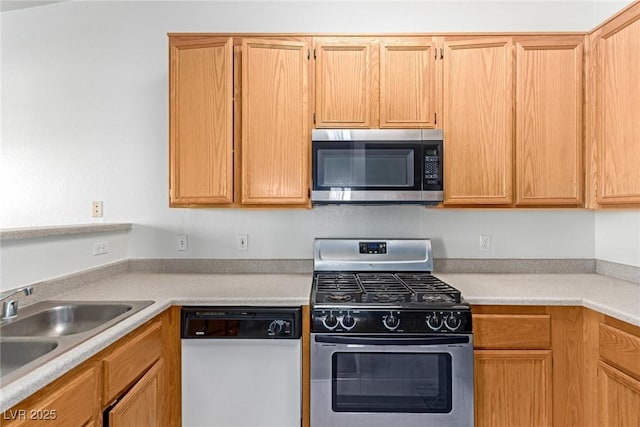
(201, 121)
(73, 400)
(478, 122)
(276, 140)
(619, 397)
(407, 83)
(513, 388)
(140, 406)
(549, 120)
(346, 83)
(619, 107)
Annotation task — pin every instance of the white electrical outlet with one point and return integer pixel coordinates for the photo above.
(183, 242)
(243, 242)
(485, 243)
(96, 209)
(101, 248)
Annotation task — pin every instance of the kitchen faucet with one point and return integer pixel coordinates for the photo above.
(10, 306)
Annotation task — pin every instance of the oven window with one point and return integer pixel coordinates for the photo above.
(391, 382)
(366, 168)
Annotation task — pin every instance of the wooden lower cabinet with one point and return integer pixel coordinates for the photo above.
(618, 372)
(513, 388)
(528, 366)
(141, 405)
(619, 396)
(555, 366)
(72, 400)
(135, 381)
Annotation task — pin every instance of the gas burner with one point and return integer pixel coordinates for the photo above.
(387, 297)
(339, 297)
(436, 298)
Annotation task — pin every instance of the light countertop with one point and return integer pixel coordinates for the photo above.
(613, 297)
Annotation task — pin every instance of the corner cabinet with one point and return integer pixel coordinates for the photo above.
(239, 121)
(478, 121)
(617, 46)
(375, 82)
(619, 374)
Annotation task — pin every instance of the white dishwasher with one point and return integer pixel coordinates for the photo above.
(241, 366)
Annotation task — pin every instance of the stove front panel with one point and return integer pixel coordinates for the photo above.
(376, 320)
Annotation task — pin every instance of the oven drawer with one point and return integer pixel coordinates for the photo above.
(512, 331)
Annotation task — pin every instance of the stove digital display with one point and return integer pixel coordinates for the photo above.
(373, 247)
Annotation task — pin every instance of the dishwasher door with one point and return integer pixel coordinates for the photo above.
(241, 383)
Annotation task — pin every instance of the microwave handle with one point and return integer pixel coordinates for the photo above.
(392, 340)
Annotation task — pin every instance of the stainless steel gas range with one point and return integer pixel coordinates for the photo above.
(391, 344)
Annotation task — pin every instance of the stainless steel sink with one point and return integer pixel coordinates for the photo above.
(64, 319)
(17, 353)
(45, 330)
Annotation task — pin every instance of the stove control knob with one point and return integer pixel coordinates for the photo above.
(348, 321)
(276, 328)
(391, 322)
(330, 321)
(452, 322)
(434, 321)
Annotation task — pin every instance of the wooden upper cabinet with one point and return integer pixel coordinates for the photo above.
(407, 83)
(478, 121)
(346, 83)
(371, 83)
(201, 120)
(618, 135)
(275, 122)
(549, 137)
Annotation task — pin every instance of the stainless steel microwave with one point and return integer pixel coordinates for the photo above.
(377, 166)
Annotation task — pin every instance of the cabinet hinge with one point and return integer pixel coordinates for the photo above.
(441, 53)
(314, 118)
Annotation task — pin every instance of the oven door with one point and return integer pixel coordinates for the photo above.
(357, 171)
(398, 380)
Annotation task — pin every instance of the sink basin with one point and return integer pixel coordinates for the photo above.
(45, 330)
(15, 354)
(64, 319)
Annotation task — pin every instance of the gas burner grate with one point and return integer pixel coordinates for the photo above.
(337, 288)
(430, 289)
(383, 287)
(336, 282)
(386, 283)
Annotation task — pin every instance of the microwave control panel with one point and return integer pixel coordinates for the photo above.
(432, 167)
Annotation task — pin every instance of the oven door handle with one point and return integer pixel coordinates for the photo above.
(392, 340)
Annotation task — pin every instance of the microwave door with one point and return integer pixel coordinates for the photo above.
(367, 172)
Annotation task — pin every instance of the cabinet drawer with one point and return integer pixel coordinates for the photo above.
(512, 331)
(131, 360)
(67, 402)
(620, 348)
